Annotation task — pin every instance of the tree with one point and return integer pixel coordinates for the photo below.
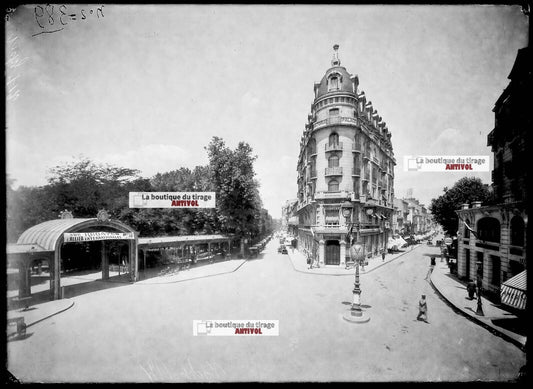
(466, 190)
(238, 200)
(84, 187)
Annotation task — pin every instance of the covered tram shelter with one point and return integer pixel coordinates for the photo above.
(56, 242)
(186, 248)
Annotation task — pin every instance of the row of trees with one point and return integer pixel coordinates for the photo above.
(84, 187)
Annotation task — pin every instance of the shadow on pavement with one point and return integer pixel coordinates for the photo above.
(69, 291)
(515, 325)
(19, 337)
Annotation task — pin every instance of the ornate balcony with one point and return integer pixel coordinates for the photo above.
(333, 171)
(334, 147)
(335, 120)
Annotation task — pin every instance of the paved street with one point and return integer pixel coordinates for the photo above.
(143, 332)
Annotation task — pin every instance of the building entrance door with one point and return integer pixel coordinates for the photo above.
(333, 252)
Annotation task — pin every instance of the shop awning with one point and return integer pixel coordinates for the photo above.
(513, 292)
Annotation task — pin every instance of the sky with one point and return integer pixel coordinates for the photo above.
(148, 86)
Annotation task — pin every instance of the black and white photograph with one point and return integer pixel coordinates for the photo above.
(302, 193)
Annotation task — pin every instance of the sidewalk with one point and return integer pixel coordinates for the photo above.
(299, 263)
(495, 318)
(37, 313)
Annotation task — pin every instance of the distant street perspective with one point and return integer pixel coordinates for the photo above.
(209, 194)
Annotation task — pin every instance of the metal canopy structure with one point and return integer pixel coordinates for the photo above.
(44, 241)
(513, 292)
(172, 241)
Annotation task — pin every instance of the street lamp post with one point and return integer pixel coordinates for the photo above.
(354, 314)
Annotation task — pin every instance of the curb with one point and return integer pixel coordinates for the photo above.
(479, 322)
(195, 278)
(343, 275)
(53, 314)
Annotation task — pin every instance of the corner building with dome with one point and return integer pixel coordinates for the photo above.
(345, 173)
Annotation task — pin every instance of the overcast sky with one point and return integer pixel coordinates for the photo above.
(148, 86)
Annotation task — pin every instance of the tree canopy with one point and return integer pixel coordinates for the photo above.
(85, 187)
(466, 190)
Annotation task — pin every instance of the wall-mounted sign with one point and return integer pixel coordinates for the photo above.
(172, 200)
(69, 237)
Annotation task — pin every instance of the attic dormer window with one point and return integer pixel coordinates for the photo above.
(334, 82)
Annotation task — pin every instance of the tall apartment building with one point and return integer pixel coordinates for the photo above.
(492, 239)
(345, 157)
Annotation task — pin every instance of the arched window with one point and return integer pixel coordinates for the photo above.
(333, 186)
(517, 231)
(311, 146)
(467, 231)
(334, 139)
(333, 161)
(334, 82)
(488, 229)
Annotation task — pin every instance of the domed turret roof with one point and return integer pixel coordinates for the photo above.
(343, 80)
(336, 79)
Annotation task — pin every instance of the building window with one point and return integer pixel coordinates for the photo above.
(332, 216)
(312, 146)
(356, 187)
(333, 186)
(334, 139)
(517, 231)
(357, 165)
(333, 83)
(334, 112)
(496, 269)
(488, 229)
(333, 161)
(357, 141)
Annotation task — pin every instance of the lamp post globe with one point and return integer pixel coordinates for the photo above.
(354, 314)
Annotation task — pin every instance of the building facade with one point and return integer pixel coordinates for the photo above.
(492, 239)
(345, 161)
(289, 219)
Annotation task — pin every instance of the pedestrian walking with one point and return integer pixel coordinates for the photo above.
(422, 309)
(383, 256)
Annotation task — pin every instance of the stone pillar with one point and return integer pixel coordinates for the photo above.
(461, 260)
(343, 252)
(321, 252)
(55, 275)
(24, 279)
(134, 258)
(105, 261)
